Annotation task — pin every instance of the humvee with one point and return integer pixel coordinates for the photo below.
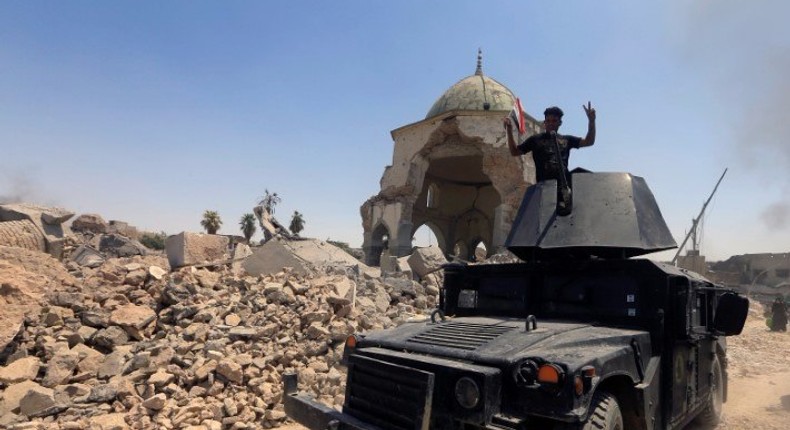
(580, 335)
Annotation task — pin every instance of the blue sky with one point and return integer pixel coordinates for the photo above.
(152, 113)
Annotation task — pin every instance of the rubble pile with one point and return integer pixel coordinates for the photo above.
(128, 344)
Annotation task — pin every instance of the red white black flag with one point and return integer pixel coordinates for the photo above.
(517, 116)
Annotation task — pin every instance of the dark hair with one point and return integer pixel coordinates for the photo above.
(554, 111)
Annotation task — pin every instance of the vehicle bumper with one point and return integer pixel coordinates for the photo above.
(308, 412)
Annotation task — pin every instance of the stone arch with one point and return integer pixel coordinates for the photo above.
(473, 250)
(472, 148)
(441, 241)
(473, 227)
(456, 167)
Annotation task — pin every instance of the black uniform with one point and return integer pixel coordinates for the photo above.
(543, 153)
(779, 315)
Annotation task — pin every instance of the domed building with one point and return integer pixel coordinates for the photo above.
(452, 172)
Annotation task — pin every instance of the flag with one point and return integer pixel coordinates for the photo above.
(518, 118)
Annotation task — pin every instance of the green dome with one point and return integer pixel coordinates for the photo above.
(471, 93)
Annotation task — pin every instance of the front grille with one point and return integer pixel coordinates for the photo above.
(460, 335)
(387, 395)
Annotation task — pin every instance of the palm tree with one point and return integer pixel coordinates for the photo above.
(269, 201)
(247, 225)
(211, 222)
(297, 223)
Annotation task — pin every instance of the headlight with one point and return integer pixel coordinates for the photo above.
(467, 393)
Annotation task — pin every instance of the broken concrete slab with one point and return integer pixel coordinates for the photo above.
(87, 256)
(38, 401)
(131, 316)
(117, 245)
(272, 257)
(20, 370)
(35, 213)
(300, 255)
(90, 223)
(156, 272)
(124, 229)
(114, 421)
(60, 368)
(426, 260)
(269, 225)
(47, 220)
(12, 396)
(186, 249)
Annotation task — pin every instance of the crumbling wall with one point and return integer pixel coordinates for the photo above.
(487, 204)
(22, 234)
(48, 221)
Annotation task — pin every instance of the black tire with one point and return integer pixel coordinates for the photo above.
(605, 414)
(711, 415)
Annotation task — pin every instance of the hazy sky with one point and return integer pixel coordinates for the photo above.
(152, 112)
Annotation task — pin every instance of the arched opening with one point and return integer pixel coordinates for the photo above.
(457, 199)
(480, 251)
(379, 242)
(428, 235)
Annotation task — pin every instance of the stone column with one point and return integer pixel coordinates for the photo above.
(401, 245)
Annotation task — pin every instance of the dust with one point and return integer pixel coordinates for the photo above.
(759, 384)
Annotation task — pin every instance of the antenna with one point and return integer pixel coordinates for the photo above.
(696, 220)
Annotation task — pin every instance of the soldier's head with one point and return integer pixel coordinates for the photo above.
(552, 118)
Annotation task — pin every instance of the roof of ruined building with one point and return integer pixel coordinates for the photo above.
(473, 93)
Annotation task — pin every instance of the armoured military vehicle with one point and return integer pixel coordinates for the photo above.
(580, 335)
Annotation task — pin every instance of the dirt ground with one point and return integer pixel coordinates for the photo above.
(759, 370)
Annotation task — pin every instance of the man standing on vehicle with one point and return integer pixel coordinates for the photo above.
(545, 145)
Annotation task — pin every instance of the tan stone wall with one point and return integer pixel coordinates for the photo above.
(695, 263)
(770, 269)
(22, 234)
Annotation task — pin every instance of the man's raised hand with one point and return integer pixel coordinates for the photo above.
(590, 111)
(507, 123)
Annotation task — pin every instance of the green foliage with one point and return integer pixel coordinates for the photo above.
(211, 222)
(154, 240)
(247, 224)
(297, 223)
(342, 245)
(269, 201)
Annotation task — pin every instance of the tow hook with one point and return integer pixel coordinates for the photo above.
(534, 322)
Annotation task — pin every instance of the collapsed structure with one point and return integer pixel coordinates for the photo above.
(453, 173)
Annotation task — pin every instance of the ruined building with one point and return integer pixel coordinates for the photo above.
(452, 172)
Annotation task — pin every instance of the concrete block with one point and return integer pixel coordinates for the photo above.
(423, 260)
(186, 249)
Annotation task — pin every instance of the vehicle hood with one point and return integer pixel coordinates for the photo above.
(503, 341)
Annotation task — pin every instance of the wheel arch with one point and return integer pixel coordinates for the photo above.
(623, 388)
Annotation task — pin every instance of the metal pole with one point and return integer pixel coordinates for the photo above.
(696, 220)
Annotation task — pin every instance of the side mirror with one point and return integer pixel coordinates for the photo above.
(730, 314)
